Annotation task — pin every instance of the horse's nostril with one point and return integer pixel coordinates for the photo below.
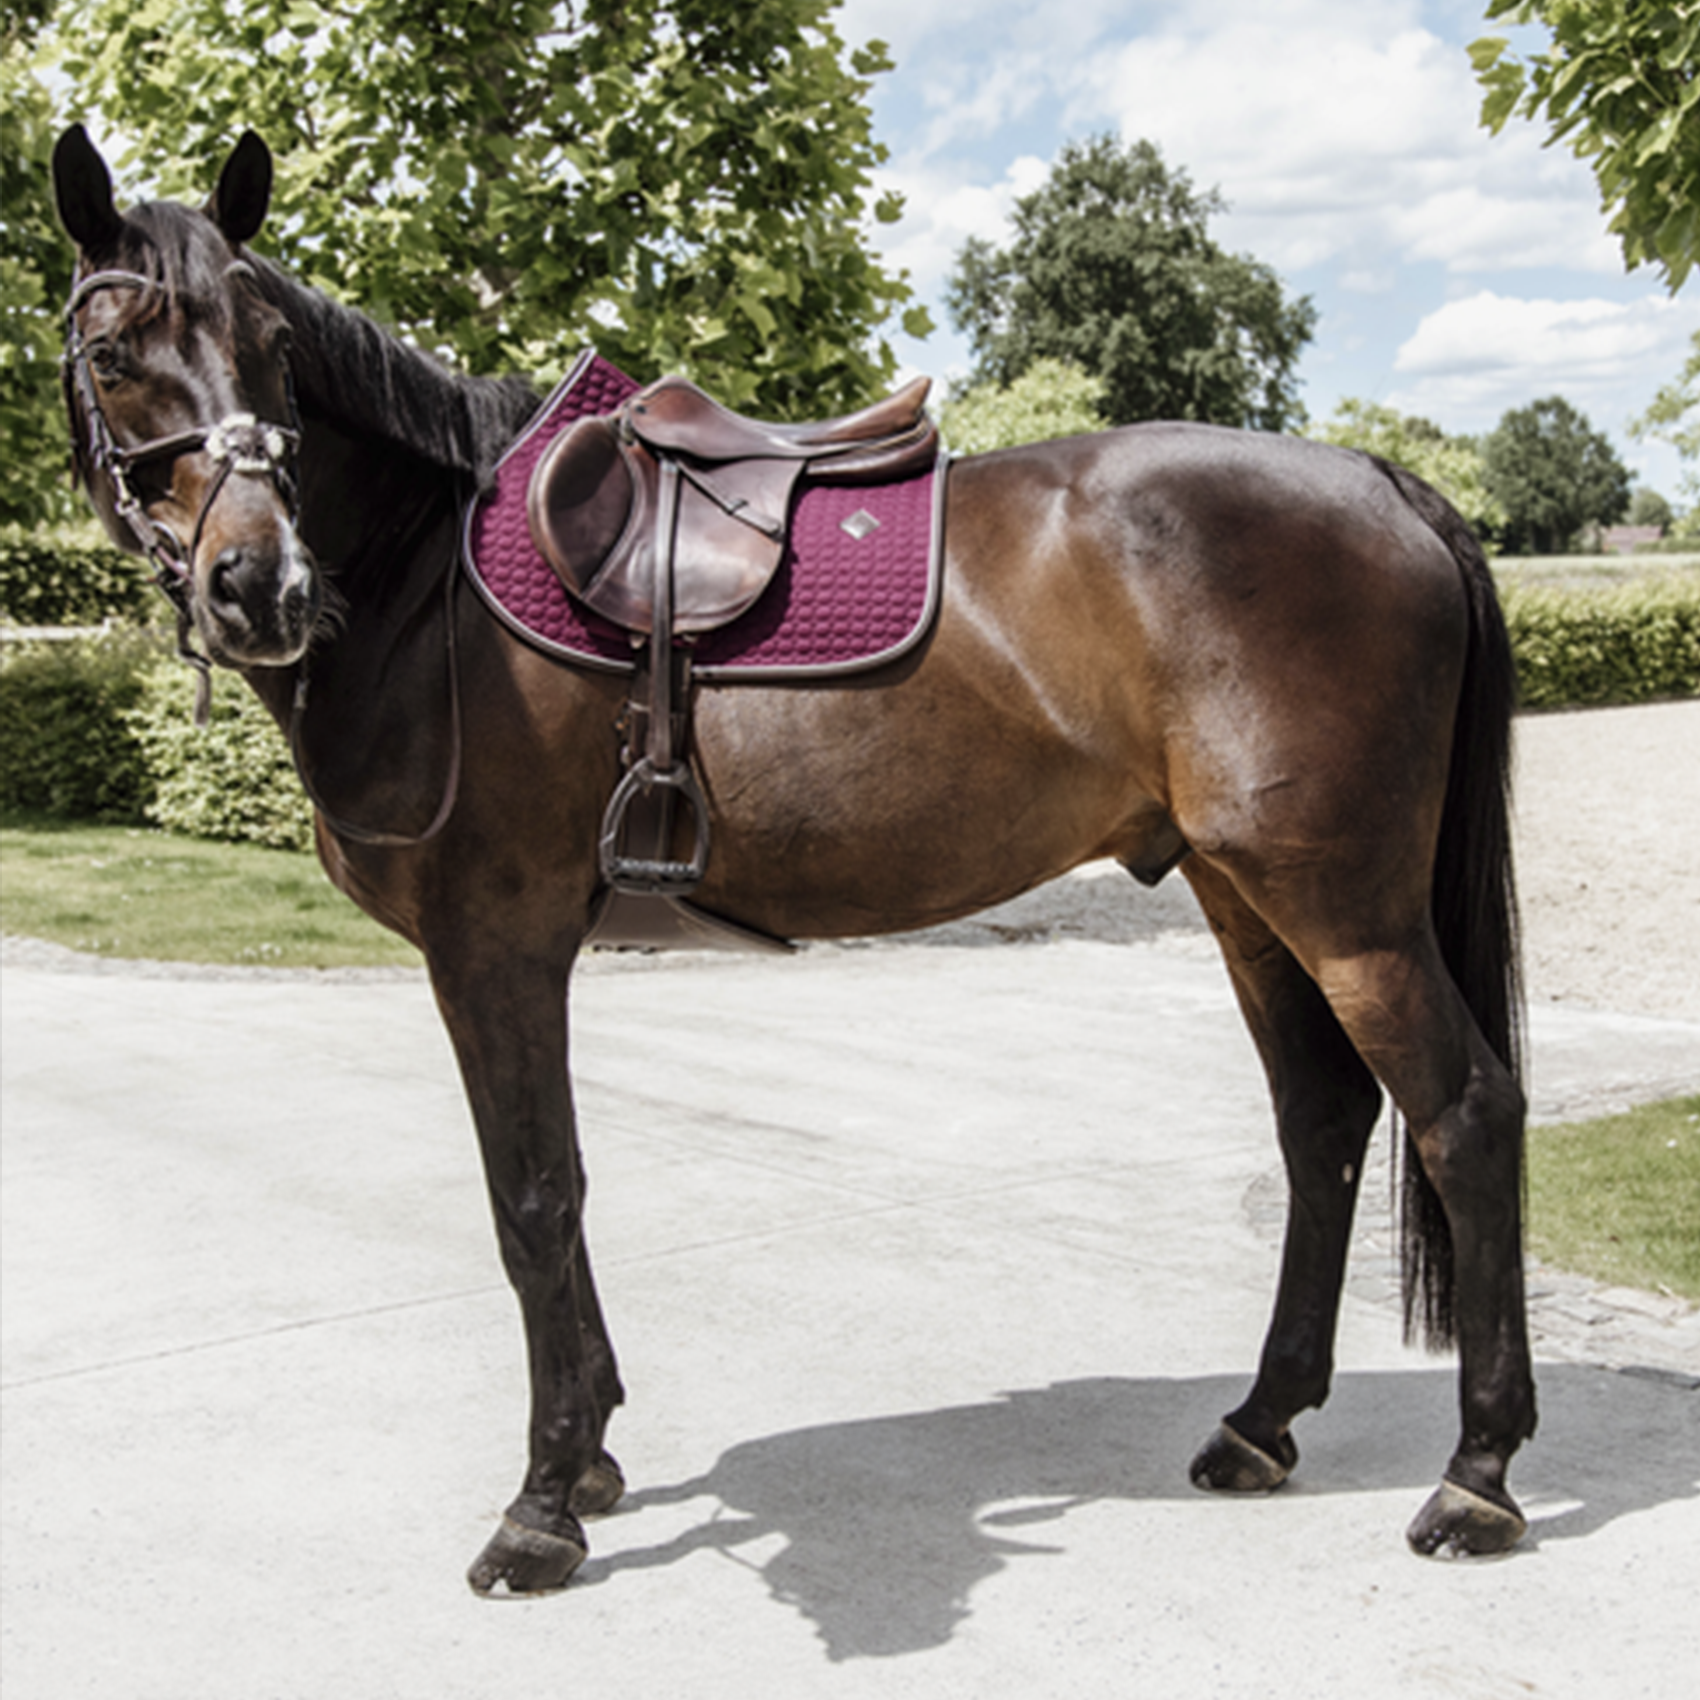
(224, 578)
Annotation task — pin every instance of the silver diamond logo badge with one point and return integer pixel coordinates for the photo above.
(860, 524)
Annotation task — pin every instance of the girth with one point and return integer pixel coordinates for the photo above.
(669, 518)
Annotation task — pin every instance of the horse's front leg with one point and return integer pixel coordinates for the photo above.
(507, 1016)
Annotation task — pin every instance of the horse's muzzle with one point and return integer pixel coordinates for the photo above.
(258, 602)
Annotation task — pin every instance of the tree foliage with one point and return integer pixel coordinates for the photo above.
(1648, 507)
(1620, 83)
(683, 184)
(1453, 465)
(35, 273)
(1674, 418)
(1553, 474)
(1050, 399)
(1112, 269)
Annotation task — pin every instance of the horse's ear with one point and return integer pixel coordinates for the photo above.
(238, 204)
(83, 188)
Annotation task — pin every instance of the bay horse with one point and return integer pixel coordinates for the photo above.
(1278, 664)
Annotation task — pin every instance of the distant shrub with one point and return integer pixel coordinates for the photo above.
(232, 779)
(101, 728)
(1636, 642)
(67, 745)
(68, 580)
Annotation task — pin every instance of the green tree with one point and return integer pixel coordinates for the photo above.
(1453, 465)
(35, 273)
(1674, 418)
(1553, 474)
(1112, 269)
(1050, 399)
(1648, 507)
(1620, 82)
(683, 184)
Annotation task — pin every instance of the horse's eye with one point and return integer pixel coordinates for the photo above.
(107, 359)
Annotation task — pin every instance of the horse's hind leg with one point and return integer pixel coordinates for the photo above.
(1326, 1102)
(1465, 1115)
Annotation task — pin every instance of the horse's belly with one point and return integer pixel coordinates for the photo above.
(836, 814)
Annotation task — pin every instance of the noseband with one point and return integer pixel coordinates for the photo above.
(238, 443)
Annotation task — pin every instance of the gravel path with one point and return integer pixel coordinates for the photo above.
(1608, 847)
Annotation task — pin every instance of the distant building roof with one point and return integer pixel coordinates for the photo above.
(1625, 539)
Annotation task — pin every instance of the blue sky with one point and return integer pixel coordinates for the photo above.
(1455, 274)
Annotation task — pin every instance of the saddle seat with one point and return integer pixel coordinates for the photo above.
(603, 518)
(675, 416)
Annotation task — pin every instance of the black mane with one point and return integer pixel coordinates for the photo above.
(358, 374)
(346, 368)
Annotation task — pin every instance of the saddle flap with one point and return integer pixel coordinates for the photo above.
(579, 504)
(592, 506)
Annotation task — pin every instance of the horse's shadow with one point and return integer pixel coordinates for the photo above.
(888, 1524)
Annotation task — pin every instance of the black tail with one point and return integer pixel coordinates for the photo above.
(1475, 898)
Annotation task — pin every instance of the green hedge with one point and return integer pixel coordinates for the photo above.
(67, 745)
(1636, 642)
(69, 580)
(231, 779)
(102, 729)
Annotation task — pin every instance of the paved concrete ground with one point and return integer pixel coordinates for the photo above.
(930, 1265)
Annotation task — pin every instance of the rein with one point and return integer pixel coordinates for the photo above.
(451, 785)
(238, 443)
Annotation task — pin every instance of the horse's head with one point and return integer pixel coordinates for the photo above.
(182, 418)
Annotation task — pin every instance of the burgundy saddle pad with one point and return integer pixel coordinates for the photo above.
(858, 584)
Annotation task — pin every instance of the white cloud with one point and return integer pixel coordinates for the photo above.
(1345, 136)
(1341, 132)
(1370, 280)
(943, 211)
(1344, 129)
(1470, 359)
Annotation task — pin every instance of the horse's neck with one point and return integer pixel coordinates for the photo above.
(370, 711)
(370, 513)
(392, 445)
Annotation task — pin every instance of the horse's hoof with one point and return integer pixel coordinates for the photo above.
(1229, 1463)
(598, 1490)
(1458, 1523)
(523, 1561)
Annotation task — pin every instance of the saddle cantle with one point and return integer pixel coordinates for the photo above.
(594, 503)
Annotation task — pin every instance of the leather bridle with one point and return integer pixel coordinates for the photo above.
(238, 443)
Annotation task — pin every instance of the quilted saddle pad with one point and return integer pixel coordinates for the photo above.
(858, 584)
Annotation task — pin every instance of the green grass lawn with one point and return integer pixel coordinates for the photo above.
(1619, 1198)
(1592, 572)
(134, 892)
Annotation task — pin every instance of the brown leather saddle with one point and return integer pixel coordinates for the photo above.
(669, 518)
